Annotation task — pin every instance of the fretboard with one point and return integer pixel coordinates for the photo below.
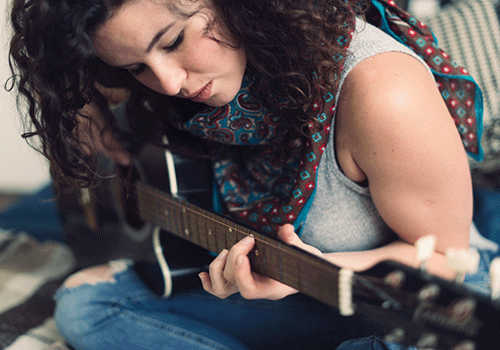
(294, 267)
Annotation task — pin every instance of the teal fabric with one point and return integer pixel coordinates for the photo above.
(36, 214)
(479, 108)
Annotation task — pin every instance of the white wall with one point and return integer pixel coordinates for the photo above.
(21, 169)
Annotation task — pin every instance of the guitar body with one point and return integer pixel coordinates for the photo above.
(181, 230)
(174, 262)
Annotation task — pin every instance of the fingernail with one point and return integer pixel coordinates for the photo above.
(239, 261)
(248, 239)
(223, 253)
(202, 277)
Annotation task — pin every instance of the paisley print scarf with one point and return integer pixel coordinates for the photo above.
(264, 193)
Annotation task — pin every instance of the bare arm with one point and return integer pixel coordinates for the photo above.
(395, 132)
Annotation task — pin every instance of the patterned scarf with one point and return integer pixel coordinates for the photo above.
(459, 90)
(265, 194)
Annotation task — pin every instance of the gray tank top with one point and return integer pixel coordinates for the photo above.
(342, 216)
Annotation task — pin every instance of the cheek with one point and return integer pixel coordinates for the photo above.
(210, 54)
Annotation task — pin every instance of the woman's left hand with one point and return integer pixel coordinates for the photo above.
(231, 273)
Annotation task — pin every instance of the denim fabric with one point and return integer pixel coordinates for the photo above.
(125, 314)
(372, 343)
(479, 282)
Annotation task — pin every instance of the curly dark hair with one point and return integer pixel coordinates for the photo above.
(55, 69)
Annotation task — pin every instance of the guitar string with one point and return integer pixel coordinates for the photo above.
(201, 213)
(329, 271)
(178, 208)
(370, 288)
(362, 283)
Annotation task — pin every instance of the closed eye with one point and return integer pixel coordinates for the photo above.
(170, 48)
(176, 43)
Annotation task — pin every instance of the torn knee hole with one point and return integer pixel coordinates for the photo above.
(96, 275)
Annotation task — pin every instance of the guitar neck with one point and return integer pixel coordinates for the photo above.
(294, 267)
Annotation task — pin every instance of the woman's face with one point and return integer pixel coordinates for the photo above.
(172, 54)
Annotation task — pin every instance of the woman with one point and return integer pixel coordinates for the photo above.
(320, 74)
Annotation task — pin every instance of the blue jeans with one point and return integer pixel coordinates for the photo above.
(125, 314)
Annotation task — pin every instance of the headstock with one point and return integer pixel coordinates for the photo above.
(427, 311)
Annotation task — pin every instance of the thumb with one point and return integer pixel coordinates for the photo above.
(287, 234)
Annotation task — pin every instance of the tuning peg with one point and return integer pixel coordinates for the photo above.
(427, 341)
(429, 292)
(425, 248)
(462, 311)
(495, 278)
(346, 307)
(466, 345)
(463, 261)
(397, 335)
(395, 279)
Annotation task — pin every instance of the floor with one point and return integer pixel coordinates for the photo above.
(8, 198)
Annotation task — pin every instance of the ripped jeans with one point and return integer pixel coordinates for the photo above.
(123, 313)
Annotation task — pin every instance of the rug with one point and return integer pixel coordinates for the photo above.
(30, 273)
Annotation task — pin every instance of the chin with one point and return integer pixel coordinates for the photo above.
(221, 100)
(216, 103)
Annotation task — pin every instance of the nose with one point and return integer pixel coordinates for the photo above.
(170, 78)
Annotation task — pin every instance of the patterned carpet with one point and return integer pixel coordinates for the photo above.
(30, 273)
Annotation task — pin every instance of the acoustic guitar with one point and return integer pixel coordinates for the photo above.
(409, 305)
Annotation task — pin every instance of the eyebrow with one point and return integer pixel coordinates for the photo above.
(157, 37)
(153, 42)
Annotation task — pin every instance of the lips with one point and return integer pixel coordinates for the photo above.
(203, 94)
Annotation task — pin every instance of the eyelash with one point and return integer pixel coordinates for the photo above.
(176, 43)
(170, 48)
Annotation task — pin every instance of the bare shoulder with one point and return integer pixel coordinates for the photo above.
(391, 80)
(385, 102)
(394, 131)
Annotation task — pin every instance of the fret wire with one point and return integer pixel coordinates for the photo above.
(167, 218)
(159, 216)
(264, 251)
(229, 232)
(162, 215)
(231, 237)
(235, 231)
(324, 289)
(225, 226)
(200, 231)
(325, 285)
(211, 235)
(171, 219)
(191, 227)
(238, 230)
(177, 221)
(186, 234)
(220, 236)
